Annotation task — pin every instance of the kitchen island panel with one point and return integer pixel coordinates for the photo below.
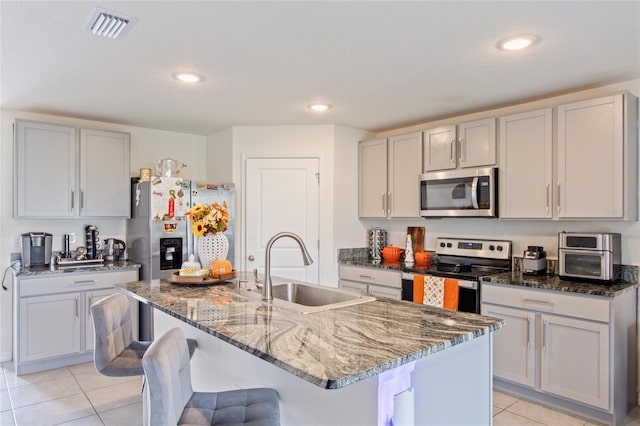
(428, 391)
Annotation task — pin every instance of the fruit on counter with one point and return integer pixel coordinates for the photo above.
(194, 273)
(220, 267)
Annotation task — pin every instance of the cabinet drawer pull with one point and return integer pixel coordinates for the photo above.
(83, 282)
(544, 302)
(367, 277)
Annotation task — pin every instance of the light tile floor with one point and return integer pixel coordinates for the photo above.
(80, 396)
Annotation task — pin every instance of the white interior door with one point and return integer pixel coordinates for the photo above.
(281, 194)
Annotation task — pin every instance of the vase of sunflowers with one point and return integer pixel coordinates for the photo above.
(209, 224)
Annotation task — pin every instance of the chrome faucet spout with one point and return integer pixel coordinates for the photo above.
(306, 258)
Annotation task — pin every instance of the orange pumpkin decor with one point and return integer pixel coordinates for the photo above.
(422, 257)
(220, 267)
(391, 253)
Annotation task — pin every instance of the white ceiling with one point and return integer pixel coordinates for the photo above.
(381, 64)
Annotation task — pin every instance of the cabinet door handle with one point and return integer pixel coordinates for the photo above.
(389, 202)
(528, 332)
(462, 145)
(77, 308)
(558, 196)
(90, 299)
(544, 335)
(452, 159)
(83, 282)
(72, 199)
(81, 200)
(547, 198)
(384, 203)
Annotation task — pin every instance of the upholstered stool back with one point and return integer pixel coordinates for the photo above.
(172, 399)
(115, 353)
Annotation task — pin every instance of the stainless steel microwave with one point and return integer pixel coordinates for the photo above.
(464, 193)
(588, 256)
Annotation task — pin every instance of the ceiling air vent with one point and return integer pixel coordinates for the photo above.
(109, 24)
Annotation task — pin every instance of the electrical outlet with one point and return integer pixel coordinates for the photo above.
(72, 237)
(17, 242)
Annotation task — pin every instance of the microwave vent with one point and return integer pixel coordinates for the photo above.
(109, 24)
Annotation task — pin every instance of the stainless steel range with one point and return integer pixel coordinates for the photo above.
(466, 260)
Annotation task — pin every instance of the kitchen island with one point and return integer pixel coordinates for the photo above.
(382, 362)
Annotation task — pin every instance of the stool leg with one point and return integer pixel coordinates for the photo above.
(146, 415)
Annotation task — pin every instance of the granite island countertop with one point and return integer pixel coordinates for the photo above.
(24, 271)
(330, 349)
(555, 283)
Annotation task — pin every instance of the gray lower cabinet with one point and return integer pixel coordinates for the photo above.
(370, 281)
(573, 350)
(53, 326)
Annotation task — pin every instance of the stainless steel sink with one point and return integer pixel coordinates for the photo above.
(306, 299)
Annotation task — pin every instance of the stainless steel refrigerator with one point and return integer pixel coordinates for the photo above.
(159, 234)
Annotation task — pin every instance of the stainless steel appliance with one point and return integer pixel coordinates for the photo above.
(467, 192)
(159, 235)
(534, 261)
(377, 241)
(466, 260)
(588, 256)
(114, 250)
(36, 249)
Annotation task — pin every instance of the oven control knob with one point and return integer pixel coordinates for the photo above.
(442, 244)
(499, 248)
(492, 247)
(449, 245)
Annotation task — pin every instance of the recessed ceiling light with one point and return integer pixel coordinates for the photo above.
(518, 42)
(188, 77)
(319, 107)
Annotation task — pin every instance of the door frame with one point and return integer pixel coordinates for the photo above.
(325, 210)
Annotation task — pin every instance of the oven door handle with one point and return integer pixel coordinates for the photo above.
(474, 192)
(468, 284)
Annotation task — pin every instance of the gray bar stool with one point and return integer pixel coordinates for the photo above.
(115, 353)
(173, 402)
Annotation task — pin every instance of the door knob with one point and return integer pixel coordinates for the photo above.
(251, 258)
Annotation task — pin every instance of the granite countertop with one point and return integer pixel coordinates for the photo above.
(330, 349)
(24, 271)
(555, 283)
(626, 278)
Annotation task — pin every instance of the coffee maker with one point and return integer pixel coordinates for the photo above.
(36, 249)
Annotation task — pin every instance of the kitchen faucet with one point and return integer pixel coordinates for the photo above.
(306, 258)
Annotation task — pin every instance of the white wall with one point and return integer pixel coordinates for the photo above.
(521, 232)
(147, 146)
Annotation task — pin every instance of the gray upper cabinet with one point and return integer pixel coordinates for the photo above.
(388, 177)
(104, 174)
(598, 158)
(45, 170)
(526, 165)
(468, 144)
(64, 172)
